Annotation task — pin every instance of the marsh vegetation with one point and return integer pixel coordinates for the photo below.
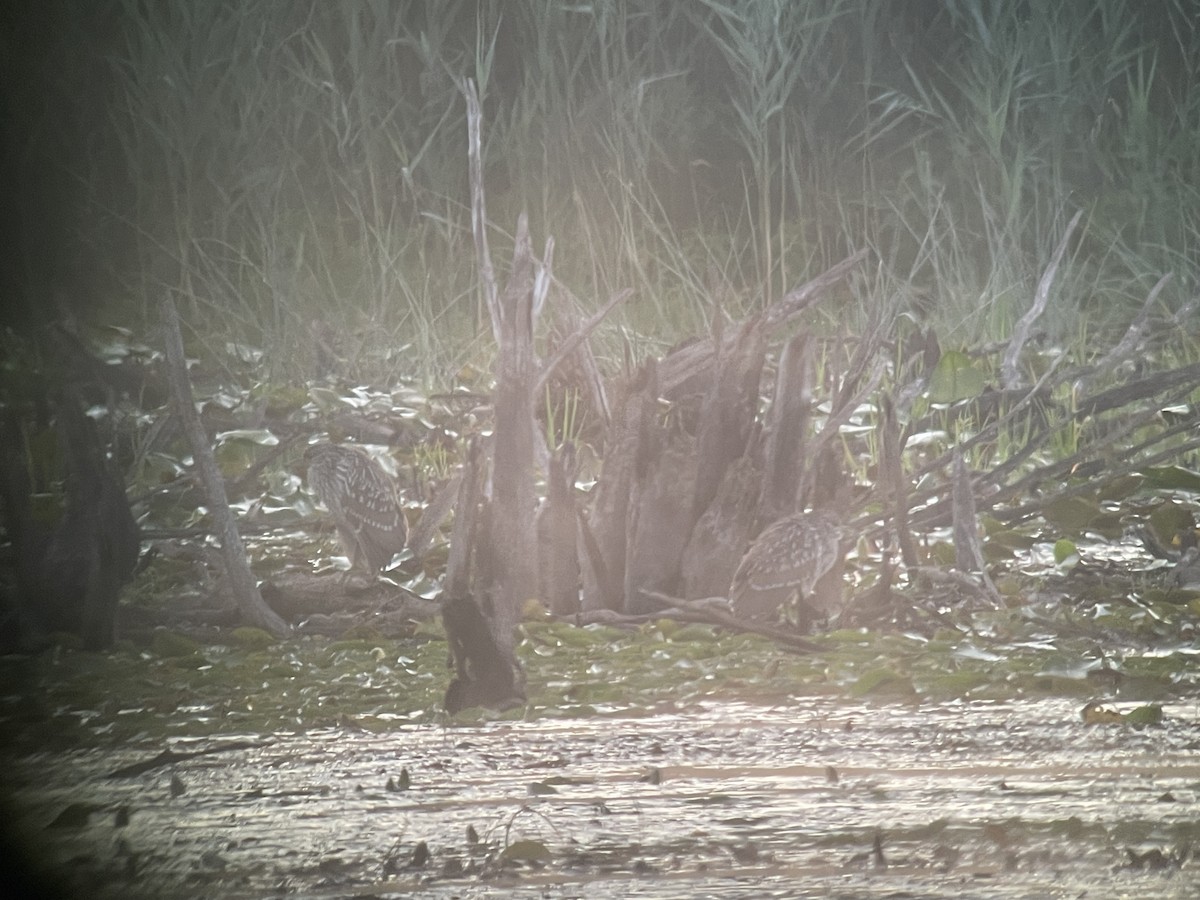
(948, 248)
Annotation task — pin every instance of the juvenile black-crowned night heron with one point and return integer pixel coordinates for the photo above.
(363, 501)
(787, 562)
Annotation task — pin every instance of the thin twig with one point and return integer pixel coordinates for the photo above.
(697, 611)
(483, 256)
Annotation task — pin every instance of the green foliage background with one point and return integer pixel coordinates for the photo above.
(279, 161)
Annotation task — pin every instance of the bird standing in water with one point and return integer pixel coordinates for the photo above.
(797, 558)
(363, 502)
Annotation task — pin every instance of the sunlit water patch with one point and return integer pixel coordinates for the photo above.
(728, 800)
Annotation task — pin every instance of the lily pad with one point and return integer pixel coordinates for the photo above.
(955, 378)
(1172, 478)
(1145, 715)
(526, 851)
(1072, 514)
(881, 681)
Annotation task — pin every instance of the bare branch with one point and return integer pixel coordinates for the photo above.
(799, 299)
(1009, 376)
(568, 346)
(241, 580)
(1130, 342)
(433, 516)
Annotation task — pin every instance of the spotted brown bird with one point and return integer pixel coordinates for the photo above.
(797, 558)
(363, 502)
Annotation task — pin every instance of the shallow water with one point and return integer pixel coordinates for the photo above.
(1012, 799)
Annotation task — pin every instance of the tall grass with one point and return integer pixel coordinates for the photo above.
(282, 161)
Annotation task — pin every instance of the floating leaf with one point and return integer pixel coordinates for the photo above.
(954, 684)
(325, 399)
(881, 681)
(1170, 520)
(1000, 533)
(1095, 714)
(1120, 487)
(955, 378)
(533, 610)
(928, 439)
(995, 552)
(568, 779)
(252, 638)
(942, 553)
(244, 352)
(1145, 715)
(526, 851)
(260, 436)
(1072, 514)
(694, 632)
(1153, 859)
(1065, 550)
(1011, 540)
(171, 644)
(235, 456)
(1172, 478)
(970, 651)
(1109, 525)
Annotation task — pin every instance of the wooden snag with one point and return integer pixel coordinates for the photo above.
(468, 493)
(968, 551)
(1010, 375)
(506, 551)
(605, 530)
(511, 534)
(786, 430)
(97, 533)
(720, 536)
(558, 559)
(894, 481)
(661, 515)
(68, 577)
(728, 413)
(485, 673)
